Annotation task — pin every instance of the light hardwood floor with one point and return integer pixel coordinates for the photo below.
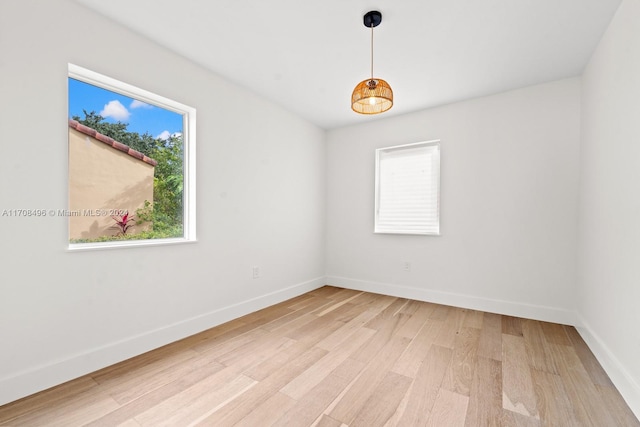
(338, 357)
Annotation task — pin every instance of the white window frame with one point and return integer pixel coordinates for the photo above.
(403, 228)
(189, 162)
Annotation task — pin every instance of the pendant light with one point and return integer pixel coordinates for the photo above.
(373, 95)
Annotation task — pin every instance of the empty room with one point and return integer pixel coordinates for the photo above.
(351, 213)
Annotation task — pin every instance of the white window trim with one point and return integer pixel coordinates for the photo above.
(189, 137)
(377, 188)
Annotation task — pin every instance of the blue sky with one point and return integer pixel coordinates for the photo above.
(141, 117)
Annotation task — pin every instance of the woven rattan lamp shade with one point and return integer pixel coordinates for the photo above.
(372, 96)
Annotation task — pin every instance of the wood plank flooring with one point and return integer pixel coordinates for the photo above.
(338, 357)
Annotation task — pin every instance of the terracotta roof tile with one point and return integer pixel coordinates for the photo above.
(138, 155)
(120, 146)
(111, 142)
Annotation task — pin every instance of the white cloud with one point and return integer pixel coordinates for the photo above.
(139, 104)
(165, 134)
(115, 110)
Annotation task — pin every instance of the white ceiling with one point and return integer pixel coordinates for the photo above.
(308, 56)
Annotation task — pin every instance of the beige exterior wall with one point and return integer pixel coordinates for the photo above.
(102, 182)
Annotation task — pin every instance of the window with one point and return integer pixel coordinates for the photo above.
(408, 189)
(131, 165)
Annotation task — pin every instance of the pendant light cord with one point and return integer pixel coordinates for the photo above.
(372, 52)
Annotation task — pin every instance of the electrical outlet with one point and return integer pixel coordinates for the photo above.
(256, 272)
(406, 266)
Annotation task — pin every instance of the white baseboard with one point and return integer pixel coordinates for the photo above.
(624, 382)
(57, 372)
(529, 311)
(40, 378)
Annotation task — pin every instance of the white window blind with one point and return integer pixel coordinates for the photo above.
(408, 189)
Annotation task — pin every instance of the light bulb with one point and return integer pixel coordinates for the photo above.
(372, 100)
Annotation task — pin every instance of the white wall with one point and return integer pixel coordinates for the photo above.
(509, 180)
(609, 268)
(261, 198)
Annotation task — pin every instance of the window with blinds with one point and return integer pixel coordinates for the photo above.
(408, 189)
